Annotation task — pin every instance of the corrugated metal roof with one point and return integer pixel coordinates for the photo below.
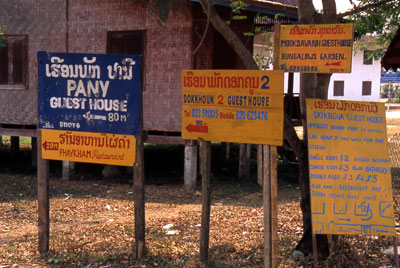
(267, 7)
(391, 59)
(292, 3)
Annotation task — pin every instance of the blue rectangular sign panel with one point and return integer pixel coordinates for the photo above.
(390, 78)
(89, 92)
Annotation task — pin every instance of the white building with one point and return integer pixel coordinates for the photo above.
(362, 84)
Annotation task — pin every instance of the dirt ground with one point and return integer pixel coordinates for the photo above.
(92, 219)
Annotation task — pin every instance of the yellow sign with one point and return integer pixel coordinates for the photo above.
(240, 106)
(89, 147)
(318, 48)
(350, 181)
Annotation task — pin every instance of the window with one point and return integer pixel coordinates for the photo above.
(338, 88)
(131, 42)
(366, 88)
(368, 57)
(128, 42)
(13, 61)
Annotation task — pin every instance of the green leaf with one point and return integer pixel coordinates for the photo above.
(238, 17)
(163, 10)
(249, 34)
(2, 27)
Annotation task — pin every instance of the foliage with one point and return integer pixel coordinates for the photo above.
(264, 56)
(161, 6)
(393, 89)
(237, 7)
(381, 20)
(2, 27)
(371, 44)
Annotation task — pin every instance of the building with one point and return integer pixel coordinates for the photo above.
(391, 59)
(120, 27)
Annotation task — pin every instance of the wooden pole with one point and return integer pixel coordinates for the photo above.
(34, 152)
(270, 188)
(205, 151)
(267, 208)
(14, 145)
(396, 251)
(242, 161)
(67, 169)
(43, 198)
(228, 150)
(190, 167)
(260, 172)
(248, 157)
(315, 250)
(290, 83)
(270, 195)
(274, 204)
(138, 190)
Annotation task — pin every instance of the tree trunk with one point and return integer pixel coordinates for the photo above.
(311, 86)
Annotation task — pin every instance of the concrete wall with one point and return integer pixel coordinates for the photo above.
(353, 81)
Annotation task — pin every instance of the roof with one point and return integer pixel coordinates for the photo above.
(291, 3)
(266, 7)
(368, 42)
(391, 59)
(288, 7)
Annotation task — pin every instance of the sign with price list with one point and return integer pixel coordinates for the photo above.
(350, 181)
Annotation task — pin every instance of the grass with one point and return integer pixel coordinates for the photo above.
(25, 142)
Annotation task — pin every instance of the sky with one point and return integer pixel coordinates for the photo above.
(341, 5)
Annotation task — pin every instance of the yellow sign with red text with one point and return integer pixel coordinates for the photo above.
(89, 147)
(316, 48)
(350, 181)
(242, 106)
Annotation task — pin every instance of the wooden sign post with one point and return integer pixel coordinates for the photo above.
(350, 180)
(270, 197)
(43, 199)
(313, 48)
(242, 106)
(205, 151)
(139, 247)
(89, 107)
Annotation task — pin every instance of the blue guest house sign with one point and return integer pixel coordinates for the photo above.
(89, 92)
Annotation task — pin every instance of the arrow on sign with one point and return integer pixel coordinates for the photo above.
(89, 116)
(333, 63)
(52, 146)
(196, 128)
(44, 145)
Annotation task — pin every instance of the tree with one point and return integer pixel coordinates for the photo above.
(380, 18)
(368, 18)
(311, 86)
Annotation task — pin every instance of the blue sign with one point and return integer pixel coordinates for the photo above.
(390, 78)
(89, 92)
